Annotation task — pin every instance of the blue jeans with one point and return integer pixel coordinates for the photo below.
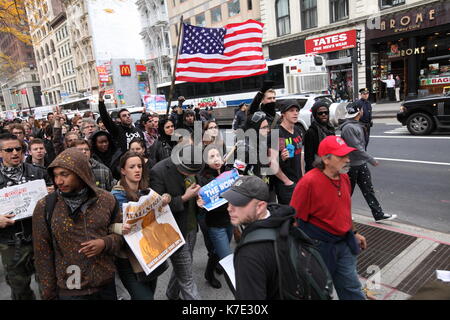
(137, 290)
(345, 277)
(221, 237)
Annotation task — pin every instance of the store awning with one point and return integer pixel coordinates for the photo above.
(335, 62)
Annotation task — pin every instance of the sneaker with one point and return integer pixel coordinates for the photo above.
(386, 217)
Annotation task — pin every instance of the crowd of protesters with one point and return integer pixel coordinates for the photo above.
(94, 166)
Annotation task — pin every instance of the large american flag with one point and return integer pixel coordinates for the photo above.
(217, 54)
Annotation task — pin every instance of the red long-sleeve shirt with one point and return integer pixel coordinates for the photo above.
(316, 201)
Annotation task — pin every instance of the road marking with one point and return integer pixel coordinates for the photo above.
(415, 161)
(397, 130)
(409, 137)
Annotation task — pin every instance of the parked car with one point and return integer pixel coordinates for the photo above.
(425, 115)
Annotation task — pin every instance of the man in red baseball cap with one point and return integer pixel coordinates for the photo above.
(322, 200)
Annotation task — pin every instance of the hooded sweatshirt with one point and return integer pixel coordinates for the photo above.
(123, 134)
(111, 157)
(352, 132)
(56, 252)
(162, 148)
(316, 132)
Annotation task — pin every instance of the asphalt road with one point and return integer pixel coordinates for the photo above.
(418, 192)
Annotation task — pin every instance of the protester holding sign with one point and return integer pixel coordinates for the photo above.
(74, 250)
(217, 220)
(15, 236)
(179, 180)
(132, 185)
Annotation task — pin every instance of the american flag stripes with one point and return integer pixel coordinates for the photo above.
(217, 54)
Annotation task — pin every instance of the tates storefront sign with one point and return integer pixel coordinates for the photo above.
(332, 42)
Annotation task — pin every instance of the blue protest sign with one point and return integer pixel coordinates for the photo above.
(212, 191)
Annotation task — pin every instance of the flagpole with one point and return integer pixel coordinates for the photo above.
(172, 85)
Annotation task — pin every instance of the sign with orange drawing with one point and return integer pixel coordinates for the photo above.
(154, 235)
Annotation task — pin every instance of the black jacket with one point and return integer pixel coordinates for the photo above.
(31, 172)
(219, 217)
(122, 134)
(161, 150)
(165, 178)
(255, 263)
(239, 120)
(111, 158)
(311, 143)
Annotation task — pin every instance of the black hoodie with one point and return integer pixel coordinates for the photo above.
(110, 158)
(122, 134)
(255, 264)
(162, 147)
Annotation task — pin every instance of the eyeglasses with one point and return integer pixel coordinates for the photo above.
(9, 150)
(215, 127)
(321, 113)
(258, 116)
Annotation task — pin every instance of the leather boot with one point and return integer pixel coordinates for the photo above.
(209, 272)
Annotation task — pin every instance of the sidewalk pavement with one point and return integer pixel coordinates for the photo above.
(399, 260)
(385, 110)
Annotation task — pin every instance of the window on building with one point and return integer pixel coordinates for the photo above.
(309, 14)
(338, 10)
(249, 5)
(234, 8)
(216, 14)
(200, 20)
(181, 1)
(384, 4)
(282, 17)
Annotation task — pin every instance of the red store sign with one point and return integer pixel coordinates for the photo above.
(332, 42)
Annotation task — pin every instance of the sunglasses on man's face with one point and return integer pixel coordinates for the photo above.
(321, 113)
(9, 150)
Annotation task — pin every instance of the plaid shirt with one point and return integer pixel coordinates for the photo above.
(150, 138)
(103, 176)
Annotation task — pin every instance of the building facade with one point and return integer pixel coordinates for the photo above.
(381, 37)
(20, 83)
(156, 38)
(101, 31)
(412, 41)
(41, 14)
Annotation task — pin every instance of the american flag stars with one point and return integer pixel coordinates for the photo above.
(203, 40)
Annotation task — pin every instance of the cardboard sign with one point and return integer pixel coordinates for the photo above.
(154, 235)
(212, 191)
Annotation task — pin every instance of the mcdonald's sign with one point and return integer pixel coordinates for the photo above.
(125, 70)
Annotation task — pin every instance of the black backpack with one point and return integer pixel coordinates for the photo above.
(302, 274)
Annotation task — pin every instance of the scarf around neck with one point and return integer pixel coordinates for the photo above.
(13, 173)
(75, 200)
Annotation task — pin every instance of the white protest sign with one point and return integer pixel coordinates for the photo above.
(22, 199)
(154, 235)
